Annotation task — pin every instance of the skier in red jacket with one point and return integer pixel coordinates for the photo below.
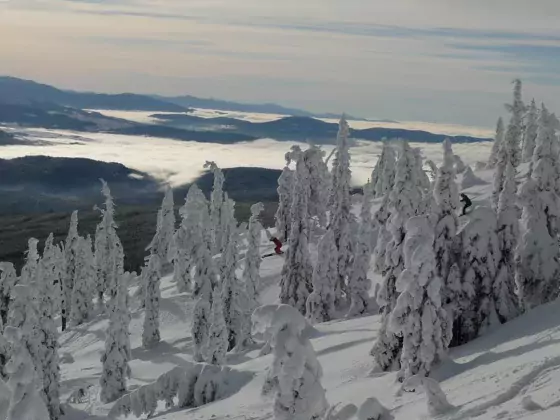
(276, 241)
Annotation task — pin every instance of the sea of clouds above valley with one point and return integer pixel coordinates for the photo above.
(179, 162)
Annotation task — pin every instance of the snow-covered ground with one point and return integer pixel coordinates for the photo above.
(511, 372)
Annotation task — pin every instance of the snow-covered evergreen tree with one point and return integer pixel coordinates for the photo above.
(380, 219)
(109, 255)
(514, 130)
(446, 196)
(24, 315)
(115, 359)
(162, 242)
(418, 315)
(46, 360)
(8, 280)
(537, 253)
(295, 284)
(150, 331)
(504, 156)
(216, 202)
(70, 252)
(341, 217)
(358, 282)
(251, 276)
(423, 180)
(84, 282)
(506, 300)
(530, 133)
(295, 369)
(25, 401)
(404, 201)
(189, 236)
(319, 182)
(29, 269)
(480, 255)
(234, 296)
(383, 175)
(285, 189)
(205, 280)
(218, 334)
(546, 165)
(320, 303)
(498, 140)
(460, 166)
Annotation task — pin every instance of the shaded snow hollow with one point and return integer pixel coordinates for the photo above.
(512, 372)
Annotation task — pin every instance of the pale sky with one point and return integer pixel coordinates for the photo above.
(448, 61)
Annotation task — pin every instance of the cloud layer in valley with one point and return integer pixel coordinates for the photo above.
(179, 162)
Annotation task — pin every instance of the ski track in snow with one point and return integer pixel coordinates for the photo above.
(512, 372)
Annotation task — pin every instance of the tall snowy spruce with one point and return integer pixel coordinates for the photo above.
(84, 282)
(8, 280)
(216, 202)
(189, 236)
(29, 269)
(380, 219)
(507, 302)
(514, 130)
(418, 315)
(295, 283)
(319, 183)
(115, 359)
(109, 254)
(285, 197)
(498, 140)
(150, 331)
(383, 175)
(480, 255)
(546, 165)
(295, 372)
(538, 259)
(217, 334)
(446, 196)
(162, 243)
(251, 276)
(530, 133)
(205, 280)
(404, 202)
(358, 282)
(25, 399)
(47, 357)
(502, 159)
(70, 251)
(234, 296)
(341, 217)
(320, 303)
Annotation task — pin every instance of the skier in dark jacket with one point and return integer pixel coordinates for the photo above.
(467, 201)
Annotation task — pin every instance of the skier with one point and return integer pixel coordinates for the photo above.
(277, 244)
(467, 201)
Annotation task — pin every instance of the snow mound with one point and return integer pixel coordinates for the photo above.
(194, 386)
(470, 179)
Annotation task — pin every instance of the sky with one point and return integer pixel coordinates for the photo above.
(411, 60)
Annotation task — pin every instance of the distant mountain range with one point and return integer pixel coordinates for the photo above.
(27, 92)
(30, 104)
(301, 129)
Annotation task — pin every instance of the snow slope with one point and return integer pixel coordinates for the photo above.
(512, 372)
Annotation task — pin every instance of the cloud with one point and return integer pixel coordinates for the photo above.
(179, 162)
(404, 59)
